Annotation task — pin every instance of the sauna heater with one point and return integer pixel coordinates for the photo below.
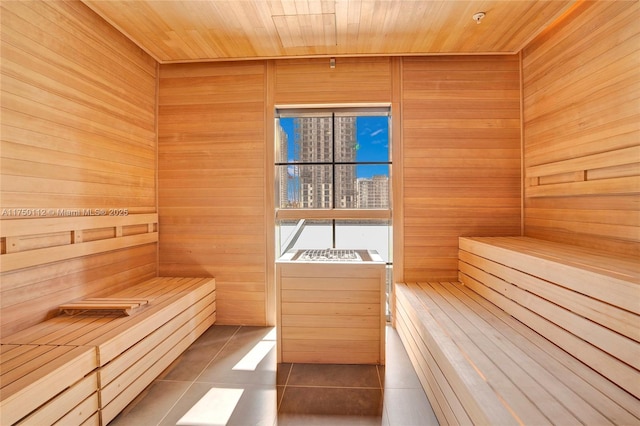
(330, 306)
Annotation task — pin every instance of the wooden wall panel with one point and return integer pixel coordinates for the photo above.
(32, 295)
(353, 80)
(462, 162)
(211, 172)
(78, 106)
(581, 83)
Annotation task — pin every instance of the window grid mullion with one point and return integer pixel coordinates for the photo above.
(333, 171)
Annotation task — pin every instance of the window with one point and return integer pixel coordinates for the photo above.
(337, 160)
(332, 175)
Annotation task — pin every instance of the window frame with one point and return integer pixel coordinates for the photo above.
(336, 213)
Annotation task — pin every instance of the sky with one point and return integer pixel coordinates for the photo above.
(372, 139)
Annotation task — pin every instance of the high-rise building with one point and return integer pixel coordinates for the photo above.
(315, 140)
(321, 173)
(345, 152)
(283, 178)
(373, 193)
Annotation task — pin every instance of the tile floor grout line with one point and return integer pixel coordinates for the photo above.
(181, 391)
(194, 380)
(286, 382)
(284, 388)
(334, 387)
(385, 411)
(218, 353)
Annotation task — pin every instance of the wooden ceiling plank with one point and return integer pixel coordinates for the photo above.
(173, 31)
(342, 26)
(302, 7)
(395, 18)
(204, 31)
(264, 36)
(289, 7)
(540, 27)
(275, 7)
(353, 24)
(426, 17)
(124, 18)
(330, 31)
(328, 6)
(365, 34)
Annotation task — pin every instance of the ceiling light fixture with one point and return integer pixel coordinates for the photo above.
(478, 17)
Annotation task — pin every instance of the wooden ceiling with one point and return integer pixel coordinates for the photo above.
(205, 30)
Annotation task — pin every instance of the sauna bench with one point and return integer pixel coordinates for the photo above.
(44, 384)
(533, 332)
(123, 354)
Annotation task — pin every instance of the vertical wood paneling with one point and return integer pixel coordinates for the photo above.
(270, 202)
(397, 182)
(211, 171)
(78, 132)
(461, 165)
(581, 129)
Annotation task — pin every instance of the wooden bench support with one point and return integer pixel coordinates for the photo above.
(443, 368)
(127, 352)
(125, 376)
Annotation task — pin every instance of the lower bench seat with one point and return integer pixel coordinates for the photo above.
(61, 381)
(478, 365)
(533, 332)
(129, 351)
(585, 301)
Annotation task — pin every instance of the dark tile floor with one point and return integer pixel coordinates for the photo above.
(229, 376)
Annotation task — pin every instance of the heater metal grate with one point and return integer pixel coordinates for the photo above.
(330, 255)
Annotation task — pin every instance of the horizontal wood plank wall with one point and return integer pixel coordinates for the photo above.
(581, 129)
(462, 162)
(78, 132)
(211, 171)
(353, 80)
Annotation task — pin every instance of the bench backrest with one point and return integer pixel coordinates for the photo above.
(48, 261)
